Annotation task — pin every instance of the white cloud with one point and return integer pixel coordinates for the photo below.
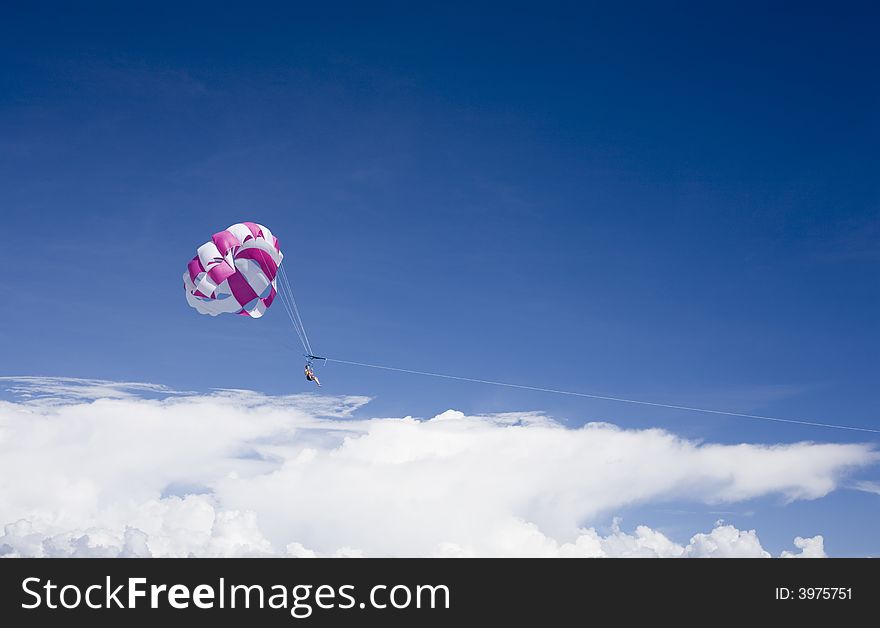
(61, 389)
(88, 473)
(810, 548)
(174, 526)
(868, 487)
(725, 541)
(519, 538)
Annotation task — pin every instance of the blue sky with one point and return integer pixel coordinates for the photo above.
(674, 204)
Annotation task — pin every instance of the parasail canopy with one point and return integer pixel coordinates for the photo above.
(234, 272)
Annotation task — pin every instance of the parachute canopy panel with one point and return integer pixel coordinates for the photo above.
(234, 272)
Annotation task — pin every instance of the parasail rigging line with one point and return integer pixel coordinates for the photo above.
(608, 397)
(290, 306)
(292, 300)
(293, 322)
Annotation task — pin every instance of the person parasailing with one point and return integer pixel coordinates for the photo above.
(310, 374)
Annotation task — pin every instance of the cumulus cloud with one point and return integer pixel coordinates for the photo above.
(135, 472)
(174, 526)
(726, 542)
(810, 548)
(520, 538)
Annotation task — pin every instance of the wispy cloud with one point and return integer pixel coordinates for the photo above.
(868, 487)
(53, 390)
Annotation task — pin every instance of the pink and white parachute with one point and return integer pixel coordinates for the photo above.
(234, 272)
